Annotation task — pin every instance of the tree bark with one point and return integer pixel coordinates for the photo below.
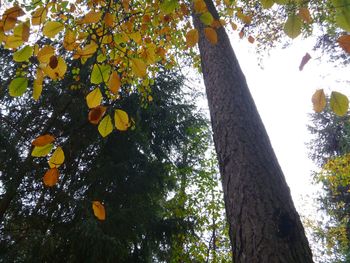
(264, 225)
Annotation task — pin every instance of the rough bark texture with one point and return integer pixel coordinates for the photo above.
(264, 225)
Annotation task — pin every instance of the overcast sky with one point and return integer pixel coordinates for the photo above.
(283, 94)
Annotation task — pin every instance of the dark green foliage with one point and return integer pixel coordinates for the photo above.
(140, 176)
(332, 141)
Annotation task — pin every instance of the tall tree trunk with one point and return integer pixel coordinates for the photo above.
(264, 225)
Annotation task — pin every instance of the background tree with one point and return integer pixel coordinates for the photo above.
(330, 151)
(140, 175)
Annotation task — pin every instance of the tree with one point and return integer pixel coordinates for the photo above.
(329, 149)
(134, 173)
(258, 204)
(126, 38)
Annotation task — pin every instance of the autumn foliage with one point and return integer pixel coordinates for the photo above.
(120, 44)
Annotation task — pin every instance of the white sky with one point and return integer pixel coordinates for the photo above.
(283, 94)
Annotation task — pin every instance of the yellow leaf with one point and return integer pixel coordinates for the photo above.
(136, 36)
(192, 37)
(42, 151)
(88, 50)
(99, 210)
(57, 158)
(13, 41)
(344, 42)
(43, 140)
(39, 16)
(114, 82)
(69, 41)
(94, 98)
(148, 54)
(45, 53)
(138, 67)
(90, 18)
(319, 100)
(95, 114)
(121, 120)
(211, 35)
(51, 177)
(234, 26)
(38, 84)
(339, 103)
(105, 127)
(52, 28)
(57, 72)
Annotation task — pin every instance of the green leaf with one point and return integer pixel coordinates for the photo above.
(18, 86)
(52, 28)
(100, 73)
(342, 17)
(42, 151)
(281, 2)
(105, 127)
(339, 103)
(168, 6)
(23, 54)
(206, 18)
(292, 27)
(267, 3)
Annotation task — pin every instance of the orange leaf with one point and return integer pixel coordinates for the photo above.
(199, 6)
(192, 37)
(10, 16)
(99, 210)
(39, 16)
(96, 114)
(251, 39)
(91, 18)
(344, 42)
(304, 60)
(211, 35)
(43, 140)
(241, 34)
(114, 82)
(304, 14)
(319, 100)
(109, 19)
(51, 177)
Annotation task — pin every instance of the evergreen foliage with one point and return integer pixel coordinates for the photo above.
(330, 150)
(152, 179)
